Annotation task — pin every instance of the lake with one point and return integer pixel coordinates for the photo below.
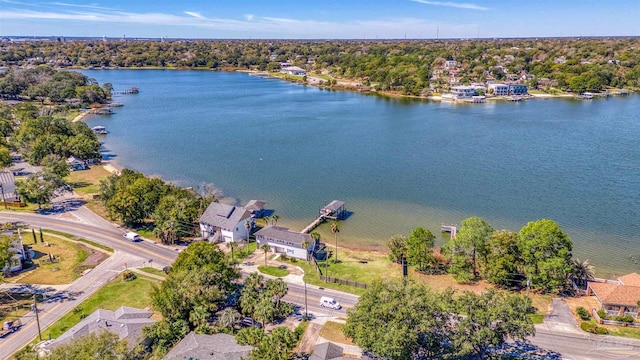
(397, 163)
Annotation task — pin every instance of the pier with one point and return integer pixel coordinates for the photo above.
(101, 111)
(131, 90)
(335, 210)
(452, 229)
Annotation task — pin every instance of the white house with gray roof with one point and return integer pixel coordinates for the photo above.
(126, 322)
(222, 222)
(284, 241)
(211, 347)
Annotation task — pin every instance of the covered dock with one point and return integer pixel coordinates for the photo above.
(335, 210)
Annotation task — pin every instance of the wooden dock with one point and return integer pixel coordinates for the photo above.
(452, 229)
(335, 210)
(314, 224)
(132, 90)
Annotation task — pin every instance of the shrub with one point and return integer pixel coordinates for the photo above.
(600, 330)
(587, 326)
(128, 275)
(583, 313)
(626, 318)
(602, 314)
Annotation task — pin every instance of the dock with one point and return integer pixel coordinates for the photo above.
(101, 111)
(131, 90)
(335, 210)
(452, 229)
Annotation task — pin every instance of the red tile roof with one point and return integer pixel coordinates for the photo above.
(626, 294)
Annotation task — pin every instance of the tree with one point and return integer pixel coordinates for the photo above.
(278, 345)
(420, 248)
(105, 346)
(264, 310)
(5, 253)
(504, 257)
(232, 245)
(5, 157)
(398, 319)
(35, 189)
(469, 244)
(582, 271)
(274, 219)
(546, 254)
(305, 245)
(175, 216)
(247, 226)
(266, 249)
(55, 164)
(228, 318)
(397, 245)
(335, 230)
(251, 336)
(489, 319)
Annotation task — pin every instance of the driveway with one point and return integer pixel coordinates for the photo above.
(561, 318)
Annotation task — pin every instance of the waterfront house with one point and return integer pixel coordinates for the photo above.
(214, 347)
(8, 188)
(222, 222)
(75, 164)
(463, 92)
(126, 322)
(294, 70)
(518, 89)
(256, 208)
(617, 297)
(450, 64)
(499, 89)
(284, 241)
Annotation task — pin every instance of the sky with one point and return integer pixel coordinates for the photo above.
(320, 19)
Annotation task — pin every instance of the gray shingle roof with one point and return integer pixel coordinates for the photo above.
(334, 206)
(8, 182)
(126, 322)
(214, 347)
(326, 351)
(283, 234)
(224, 216)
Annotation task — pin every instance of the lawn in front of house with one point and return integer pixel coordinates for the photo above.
(153, 271)
(135, 293)
(87, 182)
(273, 271)
(63, 270)
(334, 332)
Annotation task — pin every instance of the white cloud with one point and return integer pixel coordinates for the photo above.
(249, 17)
(90, 6)
(194, 14)
(452, 4)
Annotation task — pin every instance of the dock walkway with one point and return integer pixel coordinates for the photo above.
(314, 224)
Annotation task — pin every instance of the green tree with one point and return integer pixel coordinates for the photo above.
(105, 345)
(228, 318)
(420, 248)
(335, 230)
(546, 254)
(582, 271)
(232, 245)
(266, 249)
(397, 245)
(251, 336)
(54, 164)
(469, 244)
(489, 319)
(175, 216)
(5, 253)
(398, 319)
(305, 245)
(5, 157)
(504, 257)
(35, 189)
(278, 345)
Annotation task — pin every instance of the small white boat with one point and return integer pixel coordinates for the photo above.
(99, 130)
(586, 96)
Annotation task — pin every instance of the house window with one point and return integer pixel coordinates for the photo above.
(289, 251)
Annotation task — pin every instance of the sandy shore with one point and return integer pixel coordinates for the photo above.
(111, 168)
(80, 117)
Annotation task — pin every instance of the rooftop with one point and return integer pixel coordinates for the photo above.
(333, 206)
(224, 216)
(255, 205)
(284, 234)
(214, 347)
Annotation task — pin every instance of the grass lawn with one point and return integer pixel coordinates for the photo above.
(537, 318)
(63, 270)
(153, 271)
(273, 271)
(135, 293)
(87, 182)
(332, 331)
(240, 252)
(69, 236)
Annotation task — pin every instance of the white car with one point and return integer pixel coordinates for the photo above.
(131, 236)
(331, 303)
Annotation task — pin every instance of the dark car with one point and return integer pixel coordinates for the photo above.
(250, 322)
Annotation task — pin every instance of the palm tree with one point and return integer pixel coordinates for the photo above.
(316, 238)
(305, 245)
(232, 245)
(198, 316)
(582, 271)
(228, 318)
(266, 220)
(264, 310)
(266, 249)
(247, 225)
(335, 231)
(277, 289)
(274, 219)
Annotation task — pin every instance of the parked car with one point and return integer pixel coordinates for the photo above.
(330, 303)
(131, 236)
(250, 322)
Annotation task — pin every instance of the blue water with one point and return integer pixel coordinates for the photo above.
(397, 163)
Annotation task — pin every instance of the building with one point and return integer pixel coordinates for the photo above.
(293, 70)
(499, 89)
(16, 247)
(256, 208)
(212, 347)
(334, 210)
(450, 64)
(463, 92)
(222, 222)
(518, 89)
(331, 351)
(617, 297)
(8, 188)
(284, 241)
(126, 322)
(75, 164)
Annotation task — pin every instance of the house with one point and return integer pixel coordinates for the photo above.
(8, 188)
(463, 92)
(256, 208)
(75, 164)
(518, 89)
(284, 241)
(331, 351)
(213, 347)
(126, 322)
(617, 297)
(17, 249)
(449, 64)
(293, 70)
(499, 89)
(222, 222)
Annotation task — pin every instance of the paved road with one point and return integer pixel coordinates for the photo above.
(59, 303)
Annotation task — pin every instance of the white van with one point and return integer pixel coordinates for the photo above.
(132, 236)
(330, 303)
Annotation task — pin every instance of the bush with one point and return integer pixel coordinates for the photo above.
(600, 330)
(602, 314)
(593, 328)
(128, 275)
(626, 318)
(583, 313)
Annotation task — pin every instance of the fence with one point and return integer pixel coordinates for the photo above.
(346, 282)
(599, 320)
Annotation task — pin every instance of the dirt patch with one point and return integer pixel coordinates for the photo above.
(94, 259)
(587, 302)
(310, 338)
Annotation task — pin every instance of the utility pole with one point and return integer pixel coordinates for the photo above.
(306, 308)
(35, 308)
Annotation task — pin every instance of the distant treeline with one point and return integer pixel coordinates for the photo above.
(413, 67)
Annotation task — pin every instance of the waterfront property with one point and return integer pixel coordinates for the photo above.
(293, 70)
(518, 89)
(256, 208)
(216, 347)
(75, 164)
(499, 89)
(101, 130)
(126, 322)
(222, 222)
(463, 92)
(334, 210)
(617, 297)
(281, 240)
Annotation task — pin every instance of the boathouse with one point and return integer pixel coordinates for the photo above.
(222, 222)
(335, 210)
(256, 208)
(281, 240)
(293, 70)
